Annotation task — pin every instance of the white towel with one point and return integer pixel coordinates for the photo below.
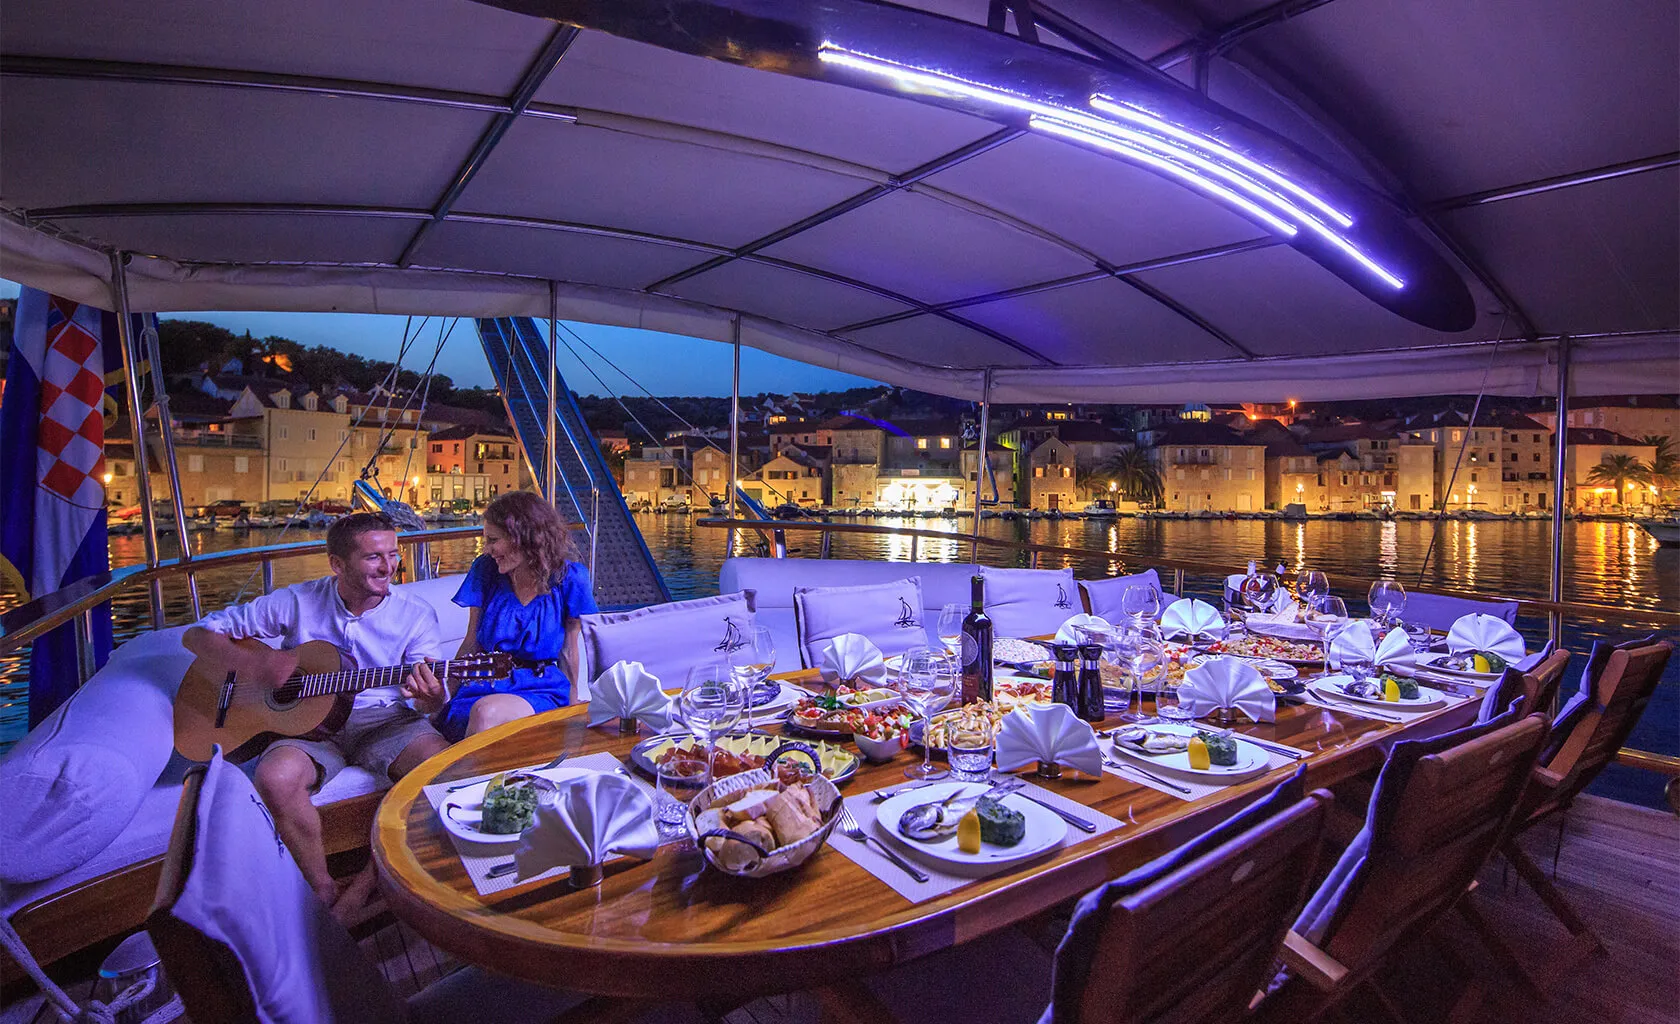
(853, 659)
(1394, 653)
(1069, 631)
(1486, 634)
(1188, 617)
(587, 820)
(1227, 683)
(627, 690)
(1051, 734)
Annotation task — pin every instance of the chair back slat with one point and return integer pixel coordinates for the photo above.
(1622, 691)
(1201, 941)
(1537, 687)
(1452, 814)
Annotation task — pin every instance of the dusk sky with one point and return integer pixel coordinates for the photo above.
(665, 364)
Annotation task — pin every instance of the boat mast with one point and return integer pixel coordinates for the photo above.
(1560, 439)
(980, 464)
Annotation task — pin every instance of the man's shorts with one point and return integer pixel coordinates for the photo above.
(371, 738)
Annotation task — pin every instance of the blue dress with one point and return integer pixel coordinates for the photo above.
(535, 631)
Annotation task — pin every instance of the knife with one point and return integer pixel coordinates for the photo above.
(1072, 819)
(1289, 752)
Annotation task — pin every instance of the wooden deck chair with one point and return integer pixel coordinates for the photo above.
(1440, 808)
(1587, 737)
(1538, 687)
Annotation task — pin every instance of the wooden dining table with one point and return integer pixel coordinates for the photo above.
(673, 928)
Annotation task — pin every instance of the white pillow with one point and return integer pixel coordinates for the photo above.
(1030, 602)
(668, 639)
(1105, 595)
(891, 615)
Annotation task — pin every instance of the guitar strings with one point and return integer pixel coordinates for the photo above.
(334, 680)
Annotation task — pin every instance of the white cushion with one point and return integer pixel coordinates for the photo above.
(1105, 595)
(668, 639)
(891, 615)
(440, 594)
(1029, 602)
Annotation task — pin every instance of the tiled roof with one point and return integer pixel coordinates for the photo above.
(1598, 435)
(1188, 432)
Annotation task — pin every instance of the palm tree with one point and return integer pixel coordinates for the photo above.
(1135, 474)
(1665, 465)
(1619, 470)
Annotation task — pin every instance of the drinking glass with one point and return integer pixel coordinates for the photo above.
(969, 750)
(1310, 585)
(926, 680)
(1141, 604)
(679, 780)
(1387, 599)
(1256, 593)
(751, 660)
(1146, 654)
(1328, 617)
(1418, 635)
(711, 704)
(950, 625)
(1358, 667)
(1169, 706)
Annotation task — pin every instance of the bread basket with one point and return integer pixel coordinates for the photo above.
(767, 862)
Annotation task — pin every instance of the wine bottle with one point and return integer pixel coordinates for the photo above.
(977, 648)
(1064, 685)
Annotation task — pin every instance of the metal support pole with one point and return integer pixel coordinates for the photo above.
(1561, 447)
(913, 545)
(552, 462)
(137, 418)
(980, 463)
(85, 668)
(734, 432)
(268, 576)
(1178, 583)
(166, 429)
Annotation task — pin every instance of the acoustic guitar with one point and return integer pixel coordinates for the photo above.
(213, 706)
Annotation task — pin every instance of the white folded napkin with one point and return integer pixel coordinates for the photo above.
(1282, 621)
(853, 659)
(1188, 617)
(1394, 653)
(586, 820)
(1227, 683)
(1052, 734)
(627, 690)
(1486, 634)
(1069, 632)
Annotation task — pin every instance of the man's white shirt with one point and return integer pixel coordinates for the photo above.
(400, 630)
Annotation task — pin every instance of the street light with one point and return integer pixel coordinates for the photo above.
(107, 478)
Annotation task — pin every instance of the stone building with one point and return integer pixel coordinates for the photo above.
(1587, 447)
(1052, 480)
(1206, 467)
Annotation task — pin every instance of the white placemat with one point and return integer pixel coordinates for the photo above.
(868, 858)
(1379, 714)
(479, 858)
(1193, 789)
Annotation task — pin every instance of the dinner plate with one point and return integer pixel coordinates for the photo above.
(1251, 759)
(1434, 665)
(839, 764)
(1045, 830)
(1271, 668)
(1329, 686)
(468, 802)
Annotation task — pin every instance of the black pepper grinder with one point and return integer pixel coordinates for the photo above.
(1090, 706)
(1064, 685)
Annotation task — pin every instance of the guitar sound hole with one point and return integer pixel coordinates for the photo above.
(286, 695)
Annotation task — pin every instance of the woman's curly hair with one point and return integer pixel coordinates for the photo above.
(537, 529)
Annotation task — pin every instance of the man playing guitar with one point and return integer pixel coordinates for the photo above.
(356, 611)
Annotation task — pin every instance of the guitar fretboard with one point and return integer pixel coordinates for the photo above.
(352, 680)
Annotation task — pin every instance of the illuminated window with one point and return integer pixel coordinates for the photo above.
(1066, 472)
(1457, 436)
(944, 442)
(921, 443)
(1038, 471)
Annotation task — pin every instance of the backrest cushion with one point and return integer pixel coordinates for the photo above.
(1438, 611)
(1103, 596)
(439, 593)
(74, 782)
(668, 639)
(890, 614)
(1029, 602)
(242, 896)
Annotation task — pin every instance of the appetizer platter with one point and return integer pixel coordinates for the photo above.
(1478, 666)
(845, 711)
(1269, 648)
(1385, 689)
(968, 825)
(743, 752)
(1206, 753)
(498, 809)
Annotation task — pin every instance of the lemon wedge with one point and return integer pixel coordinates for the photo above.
(1481, 664)
(1198, 752)
(1391, 691)
(968, 832)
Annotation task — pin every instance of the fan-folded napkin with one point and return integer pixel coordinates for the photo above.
(1070, 631)
(1283, 620)
(1394, 653)
(1486, 634)
(1227, 683)
(853, 659)
(627, 690)
(1188, 617)
(1051, 734)
(585, 821)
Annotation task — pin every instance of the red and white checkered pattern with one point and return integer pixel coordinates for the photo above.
(71, 458)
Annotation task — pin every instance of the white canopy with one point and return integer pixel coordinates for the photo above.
(454, 158)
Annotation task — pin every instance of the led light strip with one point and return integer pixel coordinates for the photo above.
(1139, 147)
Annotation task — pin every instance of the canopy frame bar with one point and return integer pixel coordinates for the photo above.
(1540, 186)
(137, 418)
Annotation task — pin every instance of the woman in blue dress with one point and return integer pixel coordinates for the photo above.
(525, 595)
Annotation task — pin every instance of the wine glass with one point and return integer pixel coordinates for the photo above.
(751, 661)
(1328, 617)
(1387, 599)
(678, 781)
(1146, 654)
(1258, 591)
(711, 704)
(950, 625)
(1141, 604)
(1310, 585)
(926, 680)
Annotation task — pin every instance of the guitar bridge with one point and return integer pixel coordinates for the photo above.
(226, 700)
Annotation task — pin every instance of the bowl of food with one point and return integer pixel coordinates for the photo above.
(755, 824)
(882, 735)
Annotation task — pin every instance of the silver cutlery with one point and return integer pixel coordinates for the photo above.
(888, 794)
(542, 768)
(849, 827)
(1356, 709)
(1289, 752)
(1146, 773)
(1072, 819)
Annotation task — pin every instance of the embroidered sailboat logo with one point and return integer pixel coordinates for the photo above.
(1061, 597)
(732, 640)
(906, 618)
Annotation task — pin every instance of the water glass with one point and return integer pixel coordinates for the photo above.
(1418, 635)
(1387, 599)
(970, 751)
(1147, 655)
(1169, 705)
(950, 626)
(680, 780)
(926, 679)
(1328, 616)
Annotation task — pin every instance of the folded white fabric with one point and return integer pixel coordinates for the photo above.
(1228, 683)
(1069, 633)
(627, 690)
(1394, 653)
(1051, 734)
(853, 659)
(585, 821)
(1188, 617)
(1486, 634)
(1282, 621)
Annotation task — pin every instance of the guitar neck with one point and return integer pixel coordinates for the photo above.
(356, 680)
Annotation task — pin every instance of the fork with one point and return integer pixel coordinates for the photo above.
(849, 826)
(1146, 773)
(552, 764)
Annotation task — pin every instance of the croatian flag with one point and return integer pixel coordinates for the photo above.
(52, 462)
